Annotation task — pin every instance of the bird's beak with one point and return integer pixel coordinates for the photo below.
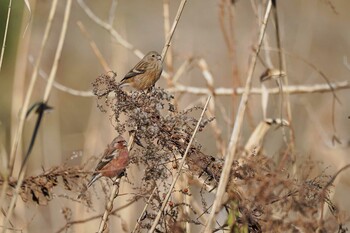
(159, 57)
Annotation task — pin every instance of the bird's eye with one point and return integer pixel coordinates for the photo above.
(153, 55)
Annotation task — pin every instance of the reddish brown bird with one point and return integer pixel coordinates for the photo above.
(113, 162)
(145, 73)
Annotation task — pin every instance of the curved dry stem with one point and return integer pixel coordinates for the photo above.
(108, 27)
(61, 87)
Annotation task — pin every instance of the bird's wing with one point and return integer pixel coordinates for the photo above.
(109, 154)
(140, 68)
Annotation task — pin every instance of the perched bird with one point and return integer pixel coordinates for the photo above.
(113, 162)
(145, 73)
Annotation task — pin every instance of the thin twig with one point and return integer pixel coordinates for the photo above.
(211, 109)
(176, 21)
(165, 201)
(169, 58)
(108, 27)
(283, 80)
(62, 87)
(5, 33)
(94, 47)
(70, 223)
(5, 176)
(144, 210)
(109, 206)
(313, 66)
(181, 70)
(231, 150)
(57, 57)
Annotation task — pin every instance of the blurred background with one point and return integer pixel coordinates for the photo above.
(314, 36)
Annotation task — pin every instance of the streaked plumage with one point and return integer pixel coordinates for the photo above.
(145, 73)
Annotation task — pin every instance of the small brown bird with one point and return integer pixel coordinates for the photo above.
(113, 162)
(145, 73)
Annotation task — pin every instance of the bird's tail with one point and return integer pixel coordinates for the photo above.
(93, 179)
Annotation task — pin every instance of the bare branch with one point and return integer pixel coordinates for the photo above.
(291, 89)
(19, 130)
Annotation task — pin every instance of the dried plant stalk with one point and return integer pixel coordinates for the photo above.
(237, 126)
(165, 201)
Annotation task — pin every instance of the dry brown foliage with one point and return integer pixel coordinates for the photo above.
(261, 195)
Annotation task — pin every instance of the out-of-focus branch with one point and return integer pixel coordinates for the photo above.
(62, 87)
(94, 47)
(211, 108)
(58, 53)
(282, 81)
(292, 89)
(108, 27)
(28, 95)
(5, 34)
(222, 91)
(112, 11)
(25, 106)
(70, 223)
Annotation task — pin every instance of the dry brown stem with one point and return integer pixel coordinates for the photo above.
(237, 127)
(165, 201)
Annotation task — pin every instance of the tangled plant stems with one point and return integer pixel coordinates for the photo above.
(260, 195)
